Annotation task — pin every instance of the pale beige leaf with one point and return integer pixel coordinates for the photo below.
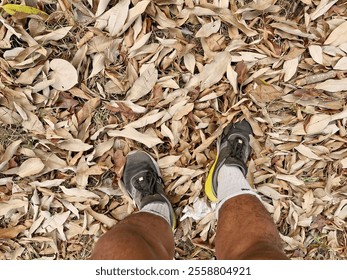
(232, 77)
(12, 204)
(322, 8)
(308, 201)
(291, 30)
(341, 64)
(333, 85)
(259, 5)
(61, 69)
(151, 117)
(208, 29)
(185, 110)
(144, 84)
(8, 116)
(132, 133)
(307, 152)
(316, 53)
(189, 62)
(56, 221)
(101, 7)
(103, 147)
(102, 218)
(291, 179)
(168, 161)
(212, 73)
(270, 192)
(344, 163)
(98, 64)
(118, 16)
(47, 183)
(74, 145)
(317, 123)
(55, 35)
(81, 173)
(9, 152)
(78, 192)
(28, 77)
(33, 123)
(290, 68)
(134, 13)
(140, 43)
(30, 167)
(338, 36)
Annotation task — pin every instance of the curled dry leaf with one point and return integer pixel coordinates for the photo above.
(63, 74)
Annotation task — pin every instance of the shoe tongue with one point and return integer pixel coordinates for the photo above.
(145, 183)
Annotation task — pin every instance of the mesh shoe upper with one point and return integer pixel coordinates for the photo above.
(234, 150)
(142, 181)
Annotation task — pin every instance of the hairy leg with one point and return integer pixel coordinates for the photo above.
(246, 231)
(139, 236)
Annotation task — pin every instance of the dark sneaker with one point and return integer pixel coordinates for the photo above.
(233, 149)
(142, 180)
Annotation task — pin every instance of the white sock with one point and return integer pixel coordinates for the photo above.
(231, 183)
(158, 208)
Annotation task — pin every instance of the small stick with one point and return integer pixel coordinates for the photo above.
(316, 78)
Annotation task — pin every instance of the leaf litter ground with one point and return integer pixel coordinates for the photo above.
(82, 83)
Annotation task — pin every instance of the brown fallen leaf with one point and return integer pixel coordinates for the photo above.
(9, 233)
(241, 70)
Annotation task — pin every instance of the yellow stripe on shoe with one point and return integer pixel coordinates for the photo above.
(208, 184)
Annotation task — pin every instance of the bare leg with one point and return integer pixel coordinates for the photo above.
(139, 236)
(246, 231)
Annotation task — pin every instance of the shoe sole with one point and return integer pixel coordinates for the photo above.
(127, 194)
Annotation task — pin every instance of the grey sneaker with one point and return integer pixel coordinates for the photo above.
(233, 149)
(142, 180)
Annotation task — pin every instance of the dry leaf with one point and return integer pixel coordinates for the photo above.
(241, 70)
(30, 167)
(74, 145)
(338, 36)
(12, 9)
(118, 15)
(307, 152)
(213, 72)
(9, 233)
(333, 85)
(317, 123)
(78, 192)
(144, 84)
(12, 204)
(322, 8)
(316, 53)
(208, 29)
(63, 74)
(55, 35)
(341, 64)
(291, 179)
(290, 68)
(131, 133)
